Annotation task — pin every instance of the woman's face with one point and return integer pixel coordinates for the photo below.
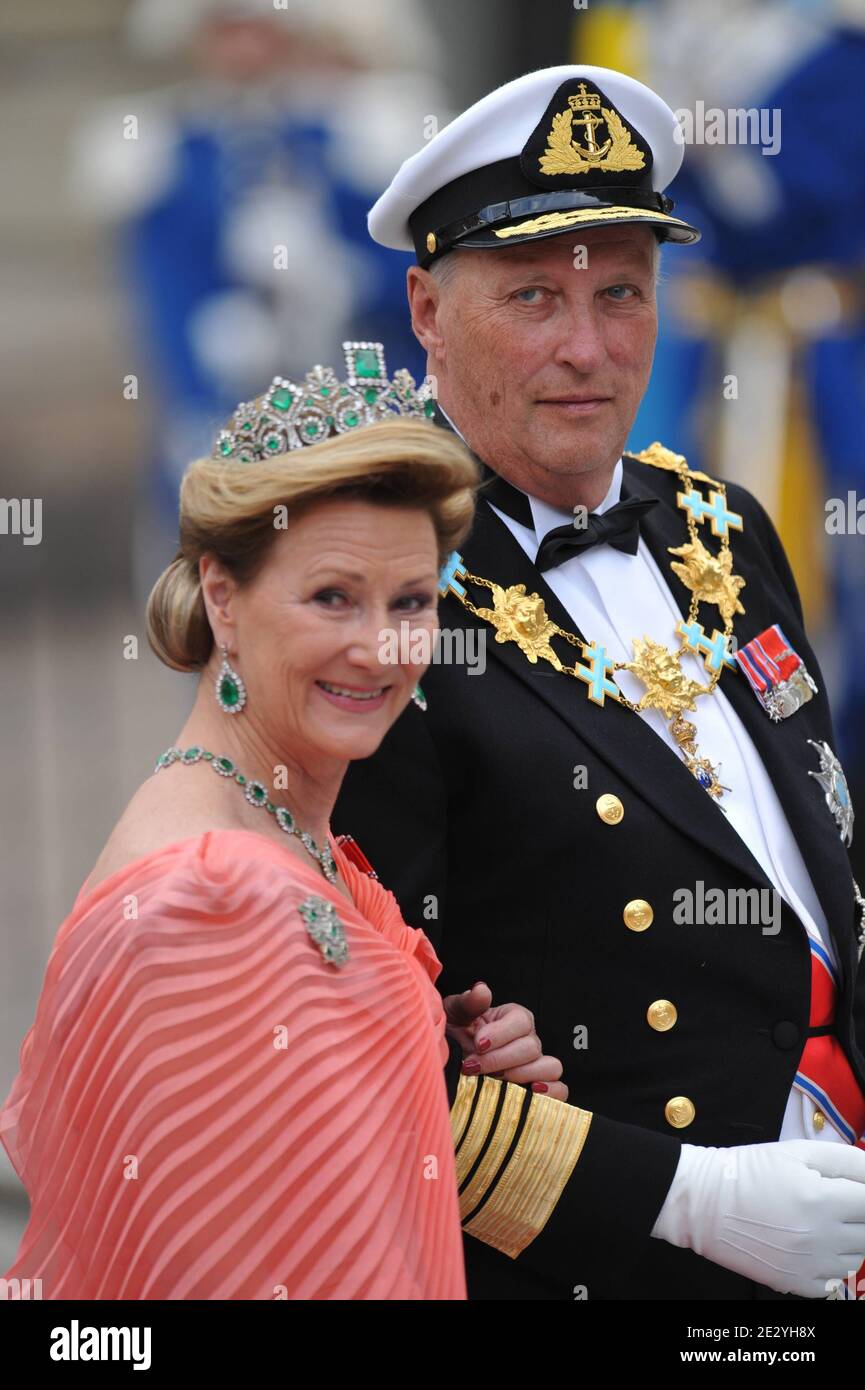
(310, 631)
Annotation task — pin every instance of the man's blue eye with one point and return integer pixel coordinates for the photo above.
(534, 289)
(625, 288)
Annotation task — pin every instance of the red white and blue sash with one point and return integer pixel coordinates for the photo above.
(824, 1074)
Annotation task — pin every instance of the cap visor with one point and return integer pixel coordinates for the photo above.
(552, 223)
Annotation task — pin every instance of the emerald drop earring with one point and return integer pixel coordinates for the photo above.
(230, 690)
(419, 697)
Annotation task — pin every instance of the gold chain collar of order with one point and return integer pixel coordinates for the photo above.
(522, 618)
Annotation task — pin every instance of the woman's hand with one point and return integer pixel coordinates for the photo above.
(501, 1041)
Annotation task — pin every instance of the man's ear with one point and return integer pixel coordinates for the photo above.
(218, 588)
(424, 298)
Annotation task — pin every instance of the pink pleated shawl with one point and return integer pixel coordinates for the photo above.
(206, 1109)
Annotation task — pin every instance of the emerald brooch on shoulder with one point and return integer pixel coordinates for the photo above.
(325, 928)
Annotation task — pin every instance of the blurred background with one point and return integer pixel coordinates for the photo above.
(154, 154)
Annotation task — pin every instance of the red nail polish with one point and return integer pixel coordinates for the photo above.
(471, 1064)
(485, 1045)
(540, 1086)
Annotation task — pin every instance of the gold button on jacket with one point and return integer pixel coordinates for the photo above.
(662, 1015)
(609, 808)
(679, 1112)
(638, 914)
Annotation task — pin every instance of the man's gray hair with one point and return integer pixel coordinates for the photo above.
(442, 269)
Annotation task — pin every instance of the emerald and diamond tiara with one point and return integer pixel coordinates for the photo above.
(288, 416)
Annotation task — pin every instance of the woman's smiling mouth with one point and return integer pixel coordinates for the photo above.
(353, 697)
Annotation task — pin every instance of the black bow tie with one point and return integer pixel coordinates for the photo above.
(618, 527)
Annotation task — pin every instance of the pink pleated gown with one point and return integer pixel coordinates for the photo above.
(207, 1109)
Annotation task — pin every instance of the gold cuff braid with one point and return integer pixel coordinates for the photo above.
(512, 1201)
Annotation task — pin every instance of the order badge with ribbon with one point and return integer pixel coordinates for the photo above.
(776, 673)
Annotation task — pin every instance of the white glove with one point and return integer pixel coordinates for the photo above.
(789, 1215)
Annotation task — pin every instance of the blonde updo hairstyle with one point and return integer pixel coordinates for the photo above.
(227, 509)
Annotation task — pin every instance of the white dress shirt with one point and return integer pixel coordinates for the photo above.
(613, 597)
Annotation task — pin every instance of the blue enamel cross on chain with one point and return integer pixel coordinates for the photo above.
(715, 510)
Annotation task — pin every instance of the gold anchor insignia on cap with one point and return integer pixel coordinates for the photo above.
(565, 155)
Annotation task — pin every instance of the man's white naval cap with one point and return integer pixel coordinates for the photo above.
(555, 149)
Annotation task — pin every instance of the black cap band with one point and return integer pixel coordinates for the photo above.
(495, 214)
(498, 193)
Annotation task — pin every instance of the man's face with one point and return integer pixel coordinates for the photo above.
(540, 364)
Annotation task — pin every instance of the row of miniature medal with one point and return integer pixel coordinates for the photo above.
(775, 672)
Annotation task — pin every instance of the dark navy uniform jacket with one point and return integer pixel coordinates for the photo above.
(469, 813)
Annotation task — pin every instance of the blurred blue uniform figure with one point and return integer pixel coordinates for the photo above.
(241, 198)
(189, 293)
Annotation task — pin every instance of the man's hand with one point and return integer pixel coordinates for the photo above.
(788, 1214)
(501, 1041)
